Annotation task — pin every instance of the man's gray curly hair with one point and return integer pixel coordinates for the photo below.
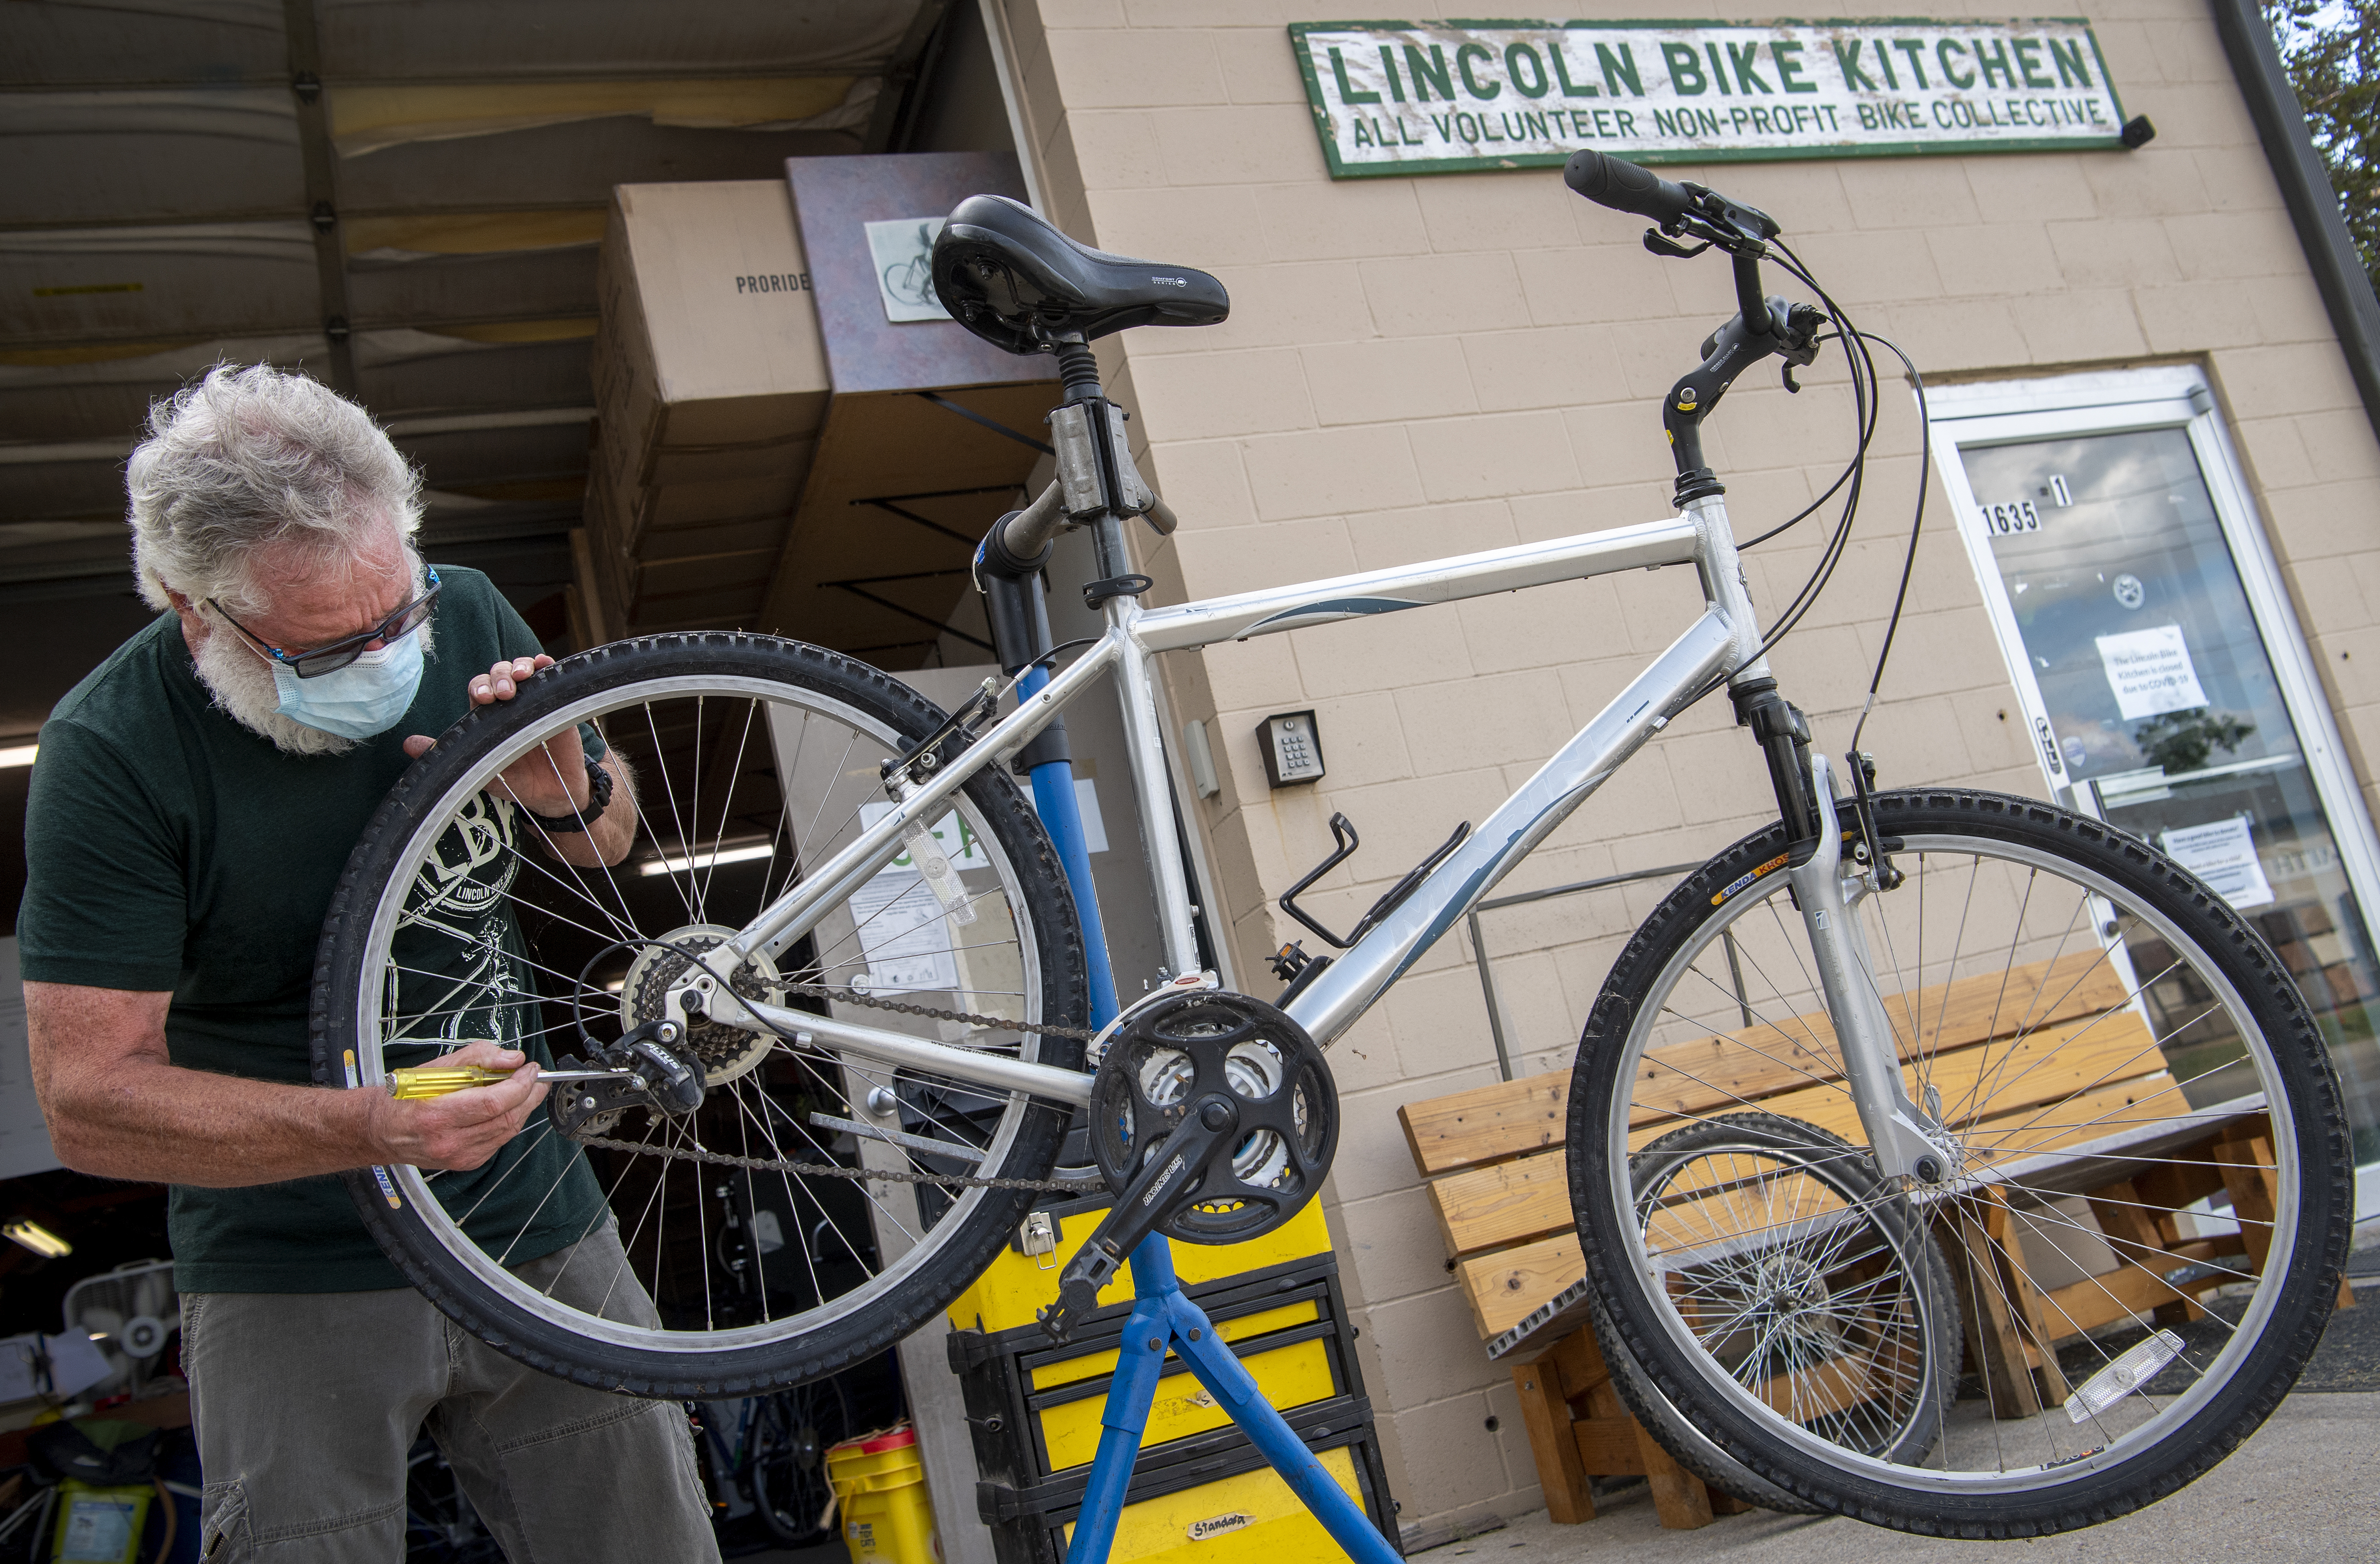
(248, 458)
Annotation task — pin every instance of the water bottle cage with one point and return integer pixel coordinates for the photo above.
(1342, 833)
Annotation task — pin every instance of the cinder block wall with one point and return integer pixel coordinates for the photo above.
(1427, 366)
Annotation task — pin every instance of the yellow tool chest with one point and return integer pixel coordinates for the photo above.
(1199, 1490)
(1020, 1283)
(1252, 1516)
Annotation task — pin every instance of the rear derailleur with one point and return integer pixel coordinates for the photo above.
(645, 1069)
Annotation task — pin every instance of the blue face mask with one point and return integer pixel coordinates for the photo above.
(364, 698)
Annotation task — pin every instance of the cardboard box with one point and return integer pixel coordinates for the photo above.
(903, 485)
(711, 379)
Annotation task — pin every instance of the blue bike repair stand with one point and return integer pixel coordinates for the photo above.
(1163, 1320)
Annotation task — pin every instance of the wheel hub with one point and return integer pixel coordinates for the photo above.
(727, 1052)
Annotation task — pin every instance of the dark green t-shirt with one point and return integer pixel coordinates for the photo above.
(169, 848)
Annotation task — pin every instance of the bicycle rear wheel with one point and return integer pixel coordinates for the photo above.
(790, 1434)
(755, 1250)
(2107, 1043)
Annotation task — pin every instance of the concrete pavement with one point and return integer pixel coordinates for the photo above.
(2306, 1487)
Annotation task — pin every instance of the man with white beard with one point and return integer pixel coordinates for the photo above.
(194, 802)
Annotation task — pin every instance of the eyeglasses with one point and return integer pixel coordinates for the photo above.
(339, 653)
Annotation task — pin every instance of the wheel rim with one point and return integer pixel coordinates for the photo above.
(1781, 1234)
(678, 825)
(2047, 1449)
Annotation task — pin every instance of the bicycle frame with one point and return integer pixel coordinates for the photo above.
(1724, 641)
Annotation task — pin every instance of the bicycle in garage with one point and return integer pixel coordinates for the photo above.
(844, 970)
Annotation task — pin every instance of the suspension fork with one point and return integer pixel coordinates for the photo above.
(1907, 1140)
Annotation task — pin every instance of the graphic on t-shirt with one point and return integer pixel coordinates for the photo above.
(451, 877)
(487, 997)
(460, 980)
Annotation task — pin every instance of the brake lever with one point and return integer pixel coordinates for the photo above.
(1801, 323)
(1661, 245)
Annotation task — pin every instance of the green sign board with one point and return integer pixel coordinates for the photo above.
(1404, 98)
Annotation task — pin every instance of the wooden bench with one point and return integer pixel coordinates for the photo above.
(2001, 1047)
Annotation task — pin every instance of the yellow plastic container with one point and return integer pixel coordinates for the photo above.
(100, 1525)
(880, 1487)
(1291, 1377)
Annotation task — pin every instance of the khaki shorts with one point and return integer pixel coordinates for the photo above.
(306, 1404)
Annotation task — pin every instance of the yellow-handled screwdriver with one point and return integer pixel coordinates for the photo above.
(421, 1081)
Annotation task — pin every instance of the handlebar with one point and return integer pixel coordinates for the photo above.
(1625, 186)
(1762, 327)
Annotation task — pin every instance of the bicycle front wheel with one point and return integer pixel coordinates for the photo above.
(2145, 1203)
(766, 1239)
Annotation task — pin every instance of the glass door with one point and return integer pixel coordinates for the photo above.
(2167, 686)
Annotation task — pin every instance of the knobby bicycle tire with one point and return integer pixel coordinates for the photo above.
(2192, 1411)
(1043, 929)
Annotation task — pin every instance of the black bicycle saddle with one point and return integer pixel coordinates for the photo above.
(1018, 283)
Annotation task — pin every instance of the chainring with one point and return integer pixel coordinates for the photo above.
(727, 1052)
(1178, 1051)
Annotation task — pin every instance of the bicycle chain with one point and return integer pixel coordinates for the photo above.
(991, 1023)
(877, 1175)
(834, 1170)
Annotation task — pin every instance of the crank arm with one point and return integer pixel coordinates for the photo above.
(1145, 1202)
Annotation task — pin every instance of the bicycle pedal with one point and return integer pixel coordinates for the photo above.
(1293, 966)
(1078, 1292)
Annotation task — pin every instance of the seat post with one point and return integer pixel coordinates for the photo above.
(1078, 371)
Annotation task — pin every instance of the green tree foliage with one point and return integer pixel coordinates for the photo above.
(2179, 742)
(2331, 49)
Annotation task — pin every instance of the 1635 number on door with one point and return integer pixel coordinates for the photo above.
(2018, 515)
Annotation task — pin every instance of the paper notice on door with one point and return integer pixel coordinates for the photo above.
(906, 937)
(2149, 672)
(2223, 854)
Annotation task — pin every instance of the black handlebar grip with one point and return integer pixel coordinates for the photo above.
(1625, 186)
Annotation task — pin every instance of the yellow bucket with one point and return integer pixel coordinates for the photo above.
(880, 1489)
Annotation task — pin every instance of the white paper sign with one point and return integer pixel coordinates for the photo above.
(903, 251)
(2149, 672)
(2223, 854)
(906, 938)
(98, 1528)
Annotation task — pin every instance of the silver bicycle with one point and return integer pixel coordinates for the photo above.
(832, 1013)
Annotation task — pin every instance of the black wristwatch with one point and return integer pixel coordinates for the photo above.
(599, 794)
